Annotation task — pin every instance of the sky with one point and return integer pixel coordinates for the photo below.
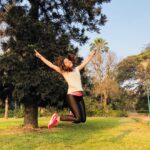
(127, 30)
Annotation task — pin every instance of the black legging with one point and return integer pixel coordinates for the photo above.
(77, 106)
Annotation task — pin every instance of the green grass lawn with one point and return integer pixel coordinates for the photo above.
(95, 134)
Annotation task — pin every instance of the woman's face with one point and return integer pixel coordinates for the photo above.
(68, 63)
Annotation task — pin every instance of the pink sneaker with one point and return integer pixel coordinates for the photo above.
(53, 116)
(53, 121)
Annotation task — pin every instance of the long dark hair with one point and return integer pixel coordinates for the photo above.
(60, 62)
(72, 57)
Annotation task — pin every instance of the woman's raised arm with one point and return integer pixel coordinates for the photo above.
(87, 60)
(47, 62)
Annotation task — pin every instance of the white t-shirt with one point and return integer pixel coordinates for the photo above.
(73, 79)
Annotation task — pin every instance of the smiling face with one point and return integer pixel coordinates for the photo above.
(68, 63)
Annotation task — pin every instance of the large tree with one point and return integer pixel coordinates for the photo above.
(49, 26)
(128, 68)
(132, 73)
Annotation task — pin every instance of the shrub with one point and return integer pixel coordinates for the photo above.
(95, 108)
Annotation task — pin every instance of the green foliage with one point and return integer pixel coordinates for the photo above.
(135, 68)
(100, 45)
(95, 108)
(127, 68)
(144, 55)
(117, 113)
(15, 113)
(49, 111)
(2, 113)
(142, 103)
(18, 113)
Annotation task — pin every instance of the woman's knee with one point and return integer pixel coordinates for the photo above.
(78, 120)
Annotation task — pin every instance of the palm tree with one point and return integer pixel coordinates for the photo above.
(101, 46)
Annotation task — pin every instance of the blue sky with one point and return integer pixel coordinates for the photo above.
(127, 30)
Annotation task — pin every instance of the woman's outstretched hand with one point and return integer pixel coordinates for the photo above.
(47, 62)
(37, 54)
(94, 52)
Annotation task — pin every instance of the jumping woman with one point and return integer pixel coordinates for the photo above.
(75, 91)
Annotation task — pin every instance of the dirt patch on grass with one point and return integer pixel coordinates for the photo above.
(140, 117)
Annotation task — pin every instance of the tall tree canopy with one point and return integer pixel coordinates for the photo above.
(135, 72)
(49, 26)
(128, 68)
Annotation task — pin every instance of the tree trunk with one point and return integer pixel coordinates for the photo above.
(105, 103)
(1, 103)
(6, 108)
(34, 9)
(31, 114)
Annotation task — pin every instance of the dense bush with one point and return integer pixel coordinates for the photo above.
(2, 113)
(50, 110)
(93, 108)
(16, 113)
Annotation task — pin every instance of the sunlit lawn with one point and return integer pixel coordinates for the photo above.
(95, 134)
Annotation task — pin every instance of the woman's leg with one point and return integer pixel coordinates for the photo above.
(82, 109)
(74, 105)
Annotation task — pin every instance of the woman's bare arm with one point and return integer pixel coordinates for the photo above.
(47, 62)
(87, 60)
